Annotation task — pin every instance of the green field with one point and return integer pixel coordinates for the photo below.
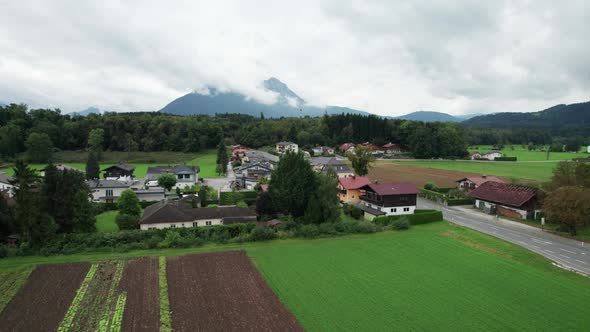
(432, 277)
(523, 153)
(205, 160)
(105, 222)
(538, 171)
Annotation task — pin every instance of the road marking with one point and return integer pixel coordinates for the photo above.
(564, 256)
(577, 260)
(571, 252)
(549, 251)
(534, 246)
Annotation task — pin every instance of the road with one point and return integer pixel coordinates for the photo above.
(569, 253)
(222, 184)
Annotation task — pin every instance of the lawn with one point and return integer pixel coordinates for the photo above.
(105, 222)
(205, 160)
(523, 153)
(432, 277)
(538, 171)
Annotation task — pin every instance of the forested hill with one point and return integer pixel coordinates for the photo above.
(288, 104)
(557, 118)
(430, 117)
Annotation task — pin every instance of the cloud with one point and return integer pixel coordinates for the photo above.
(385, 57)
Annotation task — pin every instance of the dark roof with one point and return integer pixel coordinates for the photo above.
(385, 189)
(153, 171)
(106, 184)
(370, 210)
(478, 180)
(125, 167)
(503, 193)
(175, 211)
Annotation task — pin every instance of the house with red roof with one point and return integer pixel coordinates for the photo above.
(386, 199)
(510, 200)
(346, 147)
(391, 148)
(472, 182)
(350, 188)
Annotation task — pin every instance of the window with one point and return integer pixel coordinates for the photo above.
(195, 224)
(173, 226)
(392, 210)
(406, 209)
(208, 223)
(182, 224)
(109, 192)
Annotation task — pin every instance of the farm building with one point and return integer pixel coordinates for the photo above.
(346, 147)
(510, 200)
(472, 182)
(120, 172)
(349, 188)
(385, 199)
(283, 147)
(490, 155)
(177, 214)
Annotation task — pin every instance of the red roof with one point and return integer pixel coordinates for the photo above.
(346, 146)
(264, 187)
(479, 180)
(391, 145)
(391, 188)
(353, 182)
(503, 193)
(370, 146)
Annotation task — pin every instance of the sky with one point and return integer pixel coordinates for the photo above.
(384, 57)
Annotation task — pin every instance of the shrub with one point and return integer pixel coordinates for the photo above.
(366, 227)
(505, 159)
(171, 240)
(456, 193)
(125, 221)
(352, 211)
(3, 251)
(242, 204)
(232, 197)
(327, 228)
(401, 224)
(308, 231)
(262, 233)
(418, 218)
(430, 186)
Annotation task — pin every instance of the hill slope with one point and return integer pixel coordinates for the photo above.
(426, 116)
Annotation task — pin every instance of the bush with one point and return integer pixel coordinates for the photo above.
(262, 233)
(327, 228)
(233, 197)
(401, 224)
(418, 218)
(430, 186)
(242, 204)
(308, 231)
(505, 159)
(366, 227)
(352, 210)
(460, 201)
(3, 251)
(125, 221)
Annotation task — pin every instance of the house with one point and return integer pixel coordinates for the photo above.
(505, 199)
(238, 152)
(120, 172)
(350, 188)
(179, 214)
(376, 150)
(490, 155)
(150, 195)
(259, 156)
(185, 175)
(386, 199)
(249, 174)
(5, 183)
(472, 182)
(322, 150)
(391, 148)
(322, 164)
(106, 191)
(60, 167)
(346, 147)
(283, 147)
(588, 149)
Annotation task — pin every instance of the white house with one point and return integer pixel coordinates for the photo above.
(386, 199)
(5, 183)
(588, 149)
(178, 214)
(106, 191)
(185, 175)
(491, 155)
(322, 150)
(472, 182)
(283, 147)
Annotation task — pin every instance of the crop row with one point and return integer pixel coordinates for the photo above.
(66, 323)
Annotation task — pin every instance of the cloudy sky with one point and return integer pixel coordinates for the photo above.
(385, 57)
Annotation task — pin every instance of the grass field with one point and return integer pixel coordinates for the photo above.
(523, 154)
(205, 160)
(432, 277)
(538, 171)
(105, 222)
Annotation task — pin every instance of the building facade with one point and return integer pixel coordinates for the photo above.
(386, 199)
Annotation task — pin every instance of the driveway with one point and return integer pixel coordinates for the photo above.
(222, 184)
(572, 254)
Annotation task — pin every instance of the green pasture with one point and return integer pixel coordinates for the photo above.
(523, 154)
(105, 222)
(537, 171)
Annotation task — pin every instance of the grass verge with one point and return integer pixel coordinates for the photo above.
(10, 283)
(165, 318)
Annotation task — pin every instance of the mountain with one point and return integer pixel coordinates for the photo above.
(288, 104)
(563, 117)
(89, 110)
(430, 117)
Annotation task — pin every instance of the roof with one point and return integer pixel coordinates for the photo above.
(391, 145)
(125, 167)
(478, 180)
(370, 210)
(178, 211)
(286, 143)
(339, 168)
(62, 167)
(153, 171)
(106, 184)
(346, 146)
(391, 188)
(503, 193)
(353, 182)
(247, 165)
(5, 178)
(261, 155)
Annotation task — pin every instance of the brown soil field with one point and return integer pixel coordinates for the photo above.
(223, 291)
(42, 302)
(142, 309)
(419, 176)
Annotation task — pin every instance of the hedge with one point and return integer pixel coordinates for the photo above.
(233, 197)
(418, 218)
(439, 197)
(505, 159)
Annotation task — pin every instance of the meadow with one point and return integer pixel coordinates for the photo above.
(433, 277)
(105, 222)
(524, 154)
(536, 171)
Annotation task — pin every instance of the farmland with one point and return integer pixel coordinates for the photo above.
(432, 277)
(417, 175)
(524, 154)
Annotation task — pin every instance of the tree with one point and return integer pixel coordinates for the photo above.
(11, 140)
(291, 184)
(66, 197)
(264, 205)
(92, 166)
(219, 169)
(96, 141)
(570, 173)
(7, 226)
(39, 148)
(324, 203)
(128, 203)
(222, 157)
(203, 196)
(362, 159)
(568, 206)
(167, 181)
(127, 222)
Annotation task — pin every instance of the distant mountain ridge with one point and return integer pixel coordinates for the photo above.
(87, 111)
(427, 116)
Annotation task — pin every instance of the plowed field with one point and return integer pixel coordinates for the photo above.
(142, 309)
(223, 292)
(419, 176)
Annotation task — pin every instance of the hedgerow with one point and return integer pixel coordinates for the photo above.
(418, 218)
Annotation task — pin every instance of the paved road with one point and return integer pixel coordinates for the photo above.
(222, 184)
(569, 253)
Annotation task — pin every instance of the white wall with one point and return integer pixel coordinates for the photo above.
(522, 213)
(6, 186)
(397, 210)
(200, 223)
(98, 194)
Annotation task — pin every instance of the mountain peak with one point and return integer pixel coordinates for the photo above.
(286, 95)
